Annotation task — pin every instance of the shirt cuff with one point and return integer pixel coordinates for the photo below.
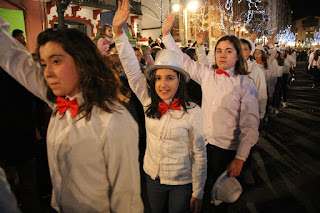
(241, 158)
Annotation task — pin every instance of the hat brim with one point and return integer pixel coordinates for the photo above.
(215, 187)
(253, 47)
(152, 68)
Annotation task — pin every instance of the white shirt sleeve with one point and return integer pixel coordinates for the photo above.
(18, 62)
(121, 155)
(202, 57)
(199, 153)
(249, 121)
(136, 79)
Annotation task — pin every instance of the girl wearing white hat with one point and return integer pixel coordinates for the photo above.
(175, 160)
(257, 75)
(229, 106)
(260, 55)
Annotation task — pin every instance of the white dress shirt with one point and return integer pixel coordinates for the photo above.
(257, 75)
(93, 163)
(229, 105)
(271, 77)
(176, 151)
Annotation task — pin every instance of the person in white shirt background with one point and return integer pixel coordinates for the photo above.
(229, 106)
(260, 55)
(93, 165)
(175, 159)
(279, 66)
(257, 75)
(314, 67)
(288, 65)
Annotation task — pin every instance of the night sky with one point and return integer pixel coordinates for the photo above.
(304, 8)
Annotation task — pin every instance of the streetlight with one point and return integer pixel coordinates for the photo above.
(192, 6)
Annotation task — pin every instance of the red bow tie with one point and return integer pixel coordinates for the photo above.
(163, 107)
(220, 71)
(63, 104)
(260, 62)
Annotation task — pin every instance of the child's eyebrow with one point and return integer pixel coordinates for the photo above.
(51, 56)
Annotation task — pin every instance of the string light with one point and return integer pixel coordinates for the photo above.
(286, 36)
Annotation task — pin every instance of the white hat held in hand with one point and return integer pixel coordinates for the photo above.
(167, 59)
(226, 189)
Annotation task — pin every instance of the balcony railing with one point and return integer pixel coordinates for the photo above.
(108, 5)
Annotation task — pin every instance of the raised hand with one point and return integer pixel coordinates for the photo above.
(121, 16)
(200, 38)
(168, 24)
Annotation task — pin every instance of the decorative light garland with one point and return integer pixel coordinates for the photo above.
(286, 36)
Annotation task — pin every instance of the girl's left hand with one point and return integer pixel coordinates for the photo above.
(235, 167)
(195, 205)
(167, 24)
(121, 16)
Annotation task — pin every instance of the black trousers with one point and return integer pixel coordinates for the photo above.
(218, 161)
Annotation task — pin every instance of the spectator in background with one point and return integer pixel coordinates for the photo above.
(146, 50)
(138, 52)
(105, 39)
(18, 34)
(154, 51)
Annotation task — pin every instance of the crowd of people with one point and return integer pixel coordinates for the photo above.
(149, 128)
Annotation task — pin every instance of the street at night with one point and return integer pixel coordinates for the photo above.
(286, 160)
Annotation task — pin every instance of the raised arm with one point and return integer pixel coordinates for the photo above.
(18, 62)
(136, 79)
(200, 50)
(196, 71)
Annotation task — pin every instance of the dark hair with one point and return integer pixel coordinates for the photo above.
(191, 52)
(241, 66)
(244, 41)
(102, 30)
(153, 111)
(16, 33)
(99, 84)
(135, 48)
(316, 55)
(279, 58)
(264, 59)
(112, 45)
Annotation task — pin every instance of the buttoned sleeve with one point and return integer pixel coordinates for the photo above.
(196, 71)
(199, 153)
(18, 62)
(249, 118)
(121, 156)
(136, 79)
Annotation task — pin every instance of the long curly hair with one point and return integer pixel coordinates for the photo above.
(99, 84)
(241, 67)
